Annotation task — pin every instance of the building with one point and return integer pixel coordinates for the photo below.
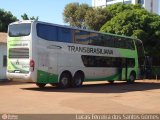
(150, 5)
(3, 55)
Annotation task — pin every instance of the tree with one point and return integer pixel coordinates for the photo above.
(126, 22)
(74, 14)
(138, 23)
(120, 7)
(95, 18)
(6, 18)
(84, 16)
(25, 17)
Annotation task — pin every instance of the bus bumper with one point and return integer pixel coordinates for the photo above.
(19, 77)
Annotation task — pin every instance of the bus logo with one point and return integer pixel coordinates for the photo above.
(17, 62)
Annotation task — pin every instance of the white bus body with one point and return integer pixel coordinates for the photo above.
(35, 56)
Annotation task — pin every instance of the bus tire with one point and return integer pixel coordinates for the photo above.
(65, 80)
(132, 78)
(111, 81)
(78, 79)
(53, 84)
(41, 85)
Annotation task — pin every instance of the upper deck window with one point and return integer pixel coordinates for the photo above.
(47, 32)
(18, 30)
(54, 33)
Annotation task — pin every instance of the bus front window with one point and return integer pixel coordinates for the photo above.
(18, 30)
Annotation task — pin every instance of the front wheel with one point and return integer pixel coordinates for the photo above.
(41, 85)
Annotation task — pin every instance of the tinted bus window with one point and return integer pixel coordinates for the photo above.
(18, 30)
(65, 34)
(95, 39)
(130, 44)
(99, 40)
(101, 61)
(82, 37)
(47, 32)
(111, 41)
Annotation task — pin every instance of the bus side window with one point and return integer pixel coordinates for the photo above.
(82, 37)
(98, 39)
(95, 39)
(65, 35)
(47, 32)
(130, 44)
(117, 42)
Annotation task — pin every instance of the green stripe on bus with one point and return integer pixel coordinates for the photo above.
(45, 77)
(113, 77)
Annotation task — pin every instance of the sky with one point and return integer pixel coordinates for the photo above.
(47, 10)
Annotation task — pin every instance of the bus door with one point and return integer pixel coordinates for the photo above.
(124, 69)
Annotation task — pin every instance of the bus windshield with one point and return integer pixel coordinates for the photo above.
(18, 30)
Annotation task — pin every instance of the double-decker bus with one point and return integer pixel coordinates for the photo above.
(53, 54)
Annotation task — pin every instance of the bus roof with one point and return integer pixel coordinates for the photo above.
(35, 21)
(23, 21)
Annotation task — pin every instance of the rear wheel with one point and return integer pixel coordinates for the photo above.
(111, 81)
(77, 80)
(64, 80)
(41, 85)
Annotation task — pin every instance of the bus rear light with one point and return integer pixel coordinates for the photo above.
(32, 65)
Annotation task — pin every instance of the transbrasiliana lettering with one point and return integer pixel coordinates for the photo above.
(90, 50)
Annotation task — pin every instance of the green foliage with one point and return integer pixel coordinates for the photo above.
(132, 20)
(74, 14)
(84, 16)
(25, 17)
(119, 7)
(95, 18)
(140, 34)
(6, 18)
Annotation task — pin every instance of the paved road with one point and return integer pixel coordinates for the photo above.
(99, 97)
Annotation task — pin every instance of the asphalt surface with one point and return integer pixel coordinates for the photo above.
(93, 97)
